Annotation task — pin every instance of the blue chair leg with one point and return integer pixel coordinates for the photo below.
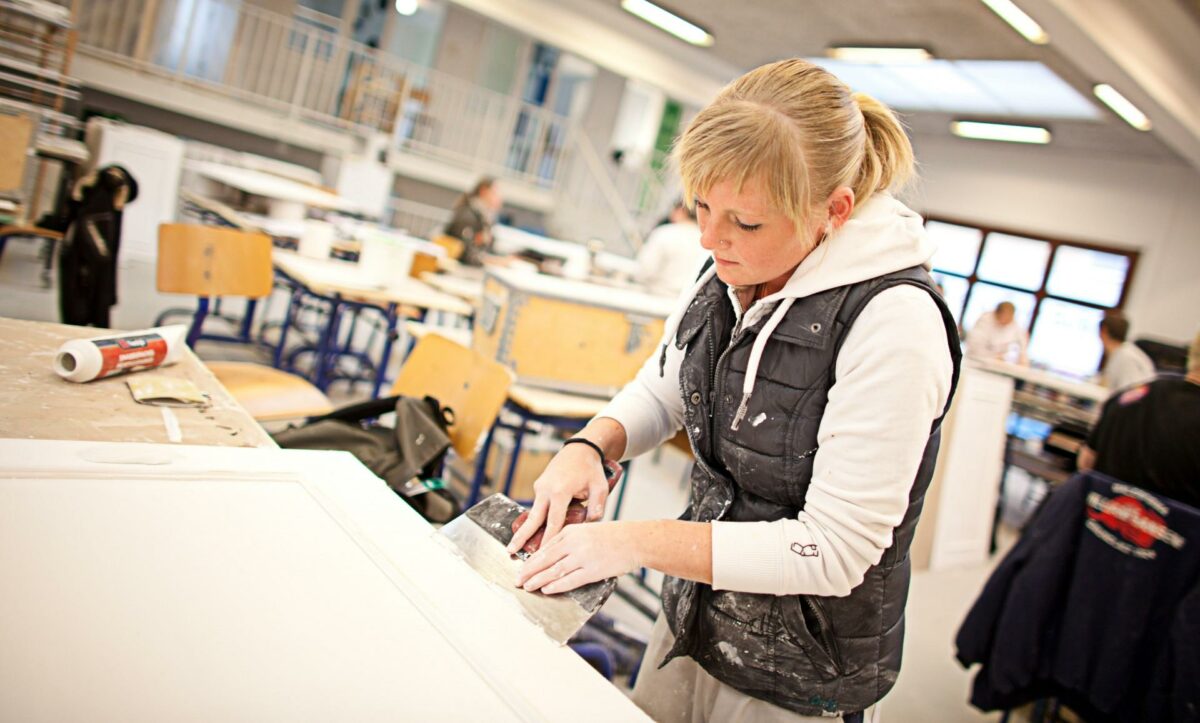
(197, 321)
(596, 656)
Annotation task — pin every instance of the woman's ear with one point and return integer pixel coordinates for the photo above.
(840, 206)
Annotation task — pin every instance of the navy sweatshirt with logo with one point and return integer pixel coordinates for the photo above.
(1089, 606)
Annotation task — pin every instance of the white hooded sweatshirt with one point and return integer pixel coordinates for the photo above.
(893, 379)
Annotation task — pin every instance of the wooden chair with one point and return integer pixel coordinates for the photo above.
(213, 262)
(454, 246)
(473, 386)
(426, 262)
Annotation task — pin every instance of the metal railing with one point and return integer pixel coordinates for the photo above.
(298, 67)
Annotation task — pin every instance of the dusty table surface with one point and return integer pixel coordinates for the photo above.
(36, 404)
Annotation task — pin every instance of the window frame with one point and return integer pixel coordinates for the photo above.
(1040, 294)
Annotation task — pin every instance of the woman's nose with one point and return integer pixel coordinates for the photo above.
(709, 236)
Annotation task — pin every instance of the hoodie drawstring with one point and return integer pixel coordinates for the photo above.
(756, 353)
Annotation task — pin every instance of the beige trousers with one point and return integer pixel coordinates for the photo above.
(682, 692)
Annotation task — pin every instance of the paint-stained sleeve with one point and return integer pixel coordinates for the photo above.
(650, 407)
(893, 379)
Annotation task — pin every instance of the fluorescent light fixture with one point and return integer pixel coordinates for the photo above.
(1121, 106)
(406, 7)
(879, 56)
(1019, 21)
(1000, 132)
(668, 21)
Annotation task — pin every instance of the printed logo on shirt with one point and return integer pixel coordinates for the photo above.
(1130, 522)
(1129, 396)
(805, 550)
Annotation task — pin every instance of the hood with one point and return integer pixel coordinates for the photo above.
(881, 237)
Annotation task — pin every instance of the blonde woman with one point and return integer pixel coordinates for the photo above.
(811, 365)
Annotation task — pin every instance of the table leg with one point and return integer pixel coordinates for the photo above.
(621, 492)
(388, 339)
(518, 437)
(197, 321)
(289, 318)
(327, 344)
(248, 320)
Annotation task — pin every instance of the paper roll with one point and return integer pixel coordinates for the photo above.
(82, 360)
(317, 240)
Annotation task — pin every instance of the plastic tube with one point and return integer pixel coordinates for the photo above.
(82, 360)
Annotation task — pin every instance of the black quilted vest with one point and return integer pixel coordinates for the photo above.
(817, 656)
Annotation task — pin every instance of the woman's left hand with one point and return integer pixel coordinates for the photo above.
(580, 554)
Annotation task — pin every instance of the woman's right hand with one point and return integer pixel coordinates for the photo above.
(576, 472)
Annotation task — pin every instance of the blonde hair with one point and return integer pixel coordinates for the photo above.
(801, 130)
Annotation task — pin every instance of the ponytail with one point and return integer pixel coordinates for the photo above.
(887, 155)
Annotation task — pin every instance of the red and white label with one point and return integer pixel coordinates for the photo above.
(130, 354)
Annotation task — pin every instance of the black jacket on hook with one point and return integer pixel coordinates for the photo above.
(1090, 607)
(87, 279)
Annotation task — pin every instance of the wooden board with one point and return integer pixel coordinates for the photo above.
(147, 583)
(568, 344)
(37, 404)
(15, 135)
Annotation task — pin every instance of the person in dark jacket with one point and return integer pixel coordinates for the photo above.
(472, 218)
(1147, 435)
(810, 364)
(87, 263)
(1084, 606)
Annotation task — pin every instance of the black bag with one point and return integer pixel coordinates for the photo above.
(403, 456)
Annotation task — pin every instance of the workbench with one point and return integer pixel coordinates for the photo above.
(37, 404)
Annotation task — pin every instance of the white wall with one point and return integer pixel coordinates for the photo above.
(1128, 202)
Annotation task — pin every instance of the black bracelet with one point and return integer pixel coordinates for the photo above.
(588, 442)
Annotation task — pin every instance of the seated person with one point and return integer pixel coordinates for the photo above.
(1125, 364)
(473, 215)
(1147, 435)
(995, 333)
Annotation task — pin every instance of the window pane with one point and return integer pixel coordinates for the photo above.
(1066, 338)
(985, 297)
(954, 291)
(1014, 260)
(1088, 275)
(957, 247)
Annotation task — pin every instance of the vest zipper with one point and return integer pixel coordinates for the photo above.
(827, 640)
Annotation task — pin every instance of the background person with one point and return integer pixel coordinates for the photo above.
(996, 333)
(810, 365)
(672, 255)
(471, 220)
(1125, 364)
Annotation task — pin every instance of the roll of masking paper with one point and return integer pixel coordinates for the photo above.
(82, 360)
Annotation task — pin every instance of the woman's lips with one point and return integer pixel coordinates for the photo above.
(723, 262)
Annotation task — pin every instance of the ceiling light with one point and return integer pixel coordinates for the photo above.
(879, 56)
(1019, 21)
(1000, 132)
(668, 21)
(1121, 106)
(406, 7)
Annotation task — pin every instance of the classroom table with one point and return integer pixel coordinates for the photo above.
(37, 404)
(286, 199)
(341, 286)
(469, 289)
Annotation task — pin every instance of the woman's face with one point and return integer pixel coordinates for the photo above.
(751, 242)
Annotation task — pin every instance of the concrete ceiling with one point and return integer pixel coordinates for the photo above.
(1145, 48)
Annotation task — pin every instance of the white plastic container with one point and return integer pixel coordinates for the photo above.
(384, 258)
(317, 240)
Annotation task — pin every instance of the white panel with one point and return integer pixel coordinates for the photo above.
(1028, 88)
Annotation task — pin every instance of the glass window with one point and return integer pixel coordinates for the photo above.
(1066, 338)
(954, 291)
(985, 298)
(1014, 261)
(958, 247)
(1097, 277)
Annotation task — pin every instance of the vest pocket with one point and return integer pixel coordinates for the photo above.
(809, 626)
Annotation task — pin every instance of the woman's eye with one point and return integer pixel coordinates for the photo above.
(748, 226)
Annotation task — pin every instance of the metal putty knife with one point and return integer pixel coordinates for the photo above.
(482, 534)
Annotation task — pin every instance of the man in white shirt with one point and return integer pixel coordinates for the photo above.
(671, 256)
(996, 333)
(1125, 363)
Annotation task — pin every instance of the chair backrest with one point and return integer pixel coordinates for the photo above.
(454, 247)
(213, 261)
(470, 384)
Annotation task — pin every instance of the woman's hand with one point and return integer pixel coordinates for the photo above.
(581, 554)
(576, 472)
